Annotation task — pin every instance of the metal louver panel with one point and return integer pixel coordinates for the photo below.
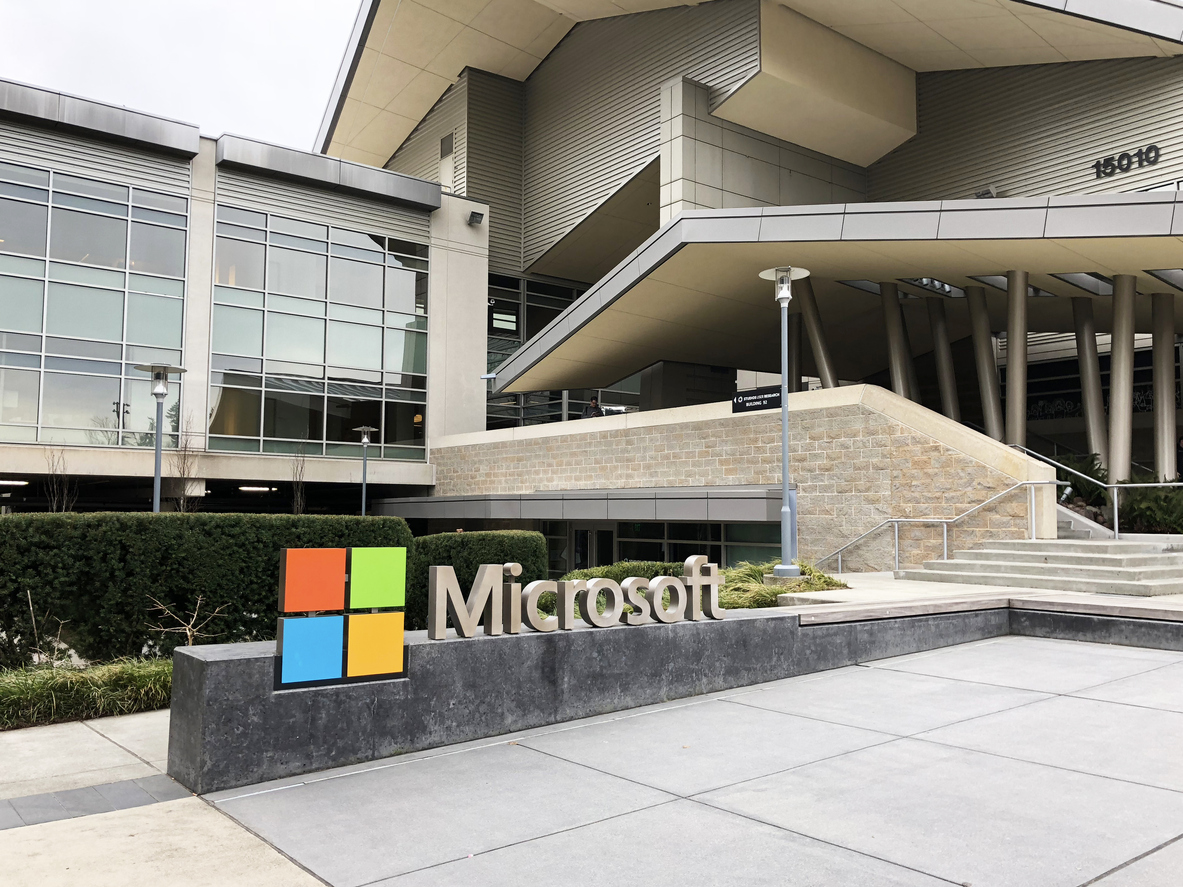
(1037, 130)
(419, 155)
(326, 207)
(593, 106)
(495, 108)
(93, 159)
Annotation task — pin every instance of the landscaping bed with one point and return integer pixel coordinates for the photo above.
(52, 694)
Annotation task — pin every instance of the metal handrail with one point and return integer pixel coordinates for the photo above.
(1110, 489)
(944, 521)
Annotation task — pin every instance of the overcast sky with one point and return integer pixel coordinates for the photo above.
(259, 68)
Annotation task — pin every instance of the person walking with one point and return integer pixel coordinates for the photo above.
(592, 410)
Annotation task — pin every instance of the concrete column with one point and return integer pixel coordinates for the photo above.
(1016, 357)
(943, 353)
(909, 362)
(1121, 379)
(987, 368)
(794, 353)
(897, 345)
(1163, 313)
(1090, 378)
(803, 291)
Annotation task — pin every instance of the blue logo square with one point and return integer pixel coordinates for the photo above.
(312, 648)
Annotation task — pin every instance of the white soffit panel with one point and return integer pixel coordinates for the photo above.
(825, 91)
(412, 50)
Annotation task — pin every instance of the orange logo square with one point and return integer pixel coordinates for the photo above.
(311, 579)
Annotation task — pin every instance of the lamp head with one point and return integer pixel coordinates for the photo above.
(784, 277)
(160, 373)
(365, 433)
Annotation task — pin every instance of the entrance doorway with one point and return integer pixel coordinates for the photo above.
(593, 546)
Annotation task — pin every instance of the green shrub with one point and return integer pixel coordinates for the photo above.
(626, 570)
(46, 695)
(465, 553)
(97, 574)
(1142, 510)
(744, 588)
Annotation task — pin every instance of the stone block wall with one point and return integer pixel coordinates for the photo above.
(854, 467)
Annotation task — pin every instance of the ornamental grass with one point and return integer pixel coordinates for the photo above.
(52, 694)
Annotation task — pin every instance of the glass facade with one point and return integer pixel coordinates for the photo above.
(92, 282)
(316, 331)
(519, 310)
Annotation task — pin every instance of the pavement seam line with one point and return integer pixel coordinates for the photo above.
(1132, 860)
(119, 745)
(828, 843)
(1060, 767)
(246, 828)
(561, 831)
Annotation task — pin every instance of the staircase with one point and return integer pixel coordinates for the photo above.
(1098, 566)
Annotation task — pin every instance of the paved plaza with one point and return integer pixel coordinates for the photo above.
(1012, 761)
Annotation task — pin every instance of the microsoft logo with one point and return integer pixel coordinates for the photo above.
(350, 626)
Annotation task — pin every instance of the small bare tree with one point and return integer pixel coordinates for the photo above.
(60, 489)
(299, 459)
(188, 624)
(184, 468)
(48, 648)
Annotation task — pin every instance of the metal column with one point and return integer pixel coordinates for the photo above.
(1016, 357)
(1163, 313)
(897, 345)
(803, 292)
(943, 352)
(1090, 378)
(987, 369)
(1121, 379)
(795, 352)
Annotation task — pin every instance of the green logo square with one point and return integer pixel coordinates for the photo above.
(377, 577)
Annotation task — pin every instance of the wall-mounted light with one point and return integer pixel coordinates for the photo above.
(258, 489)
(935, 286)
(14, 483)
(475, 218)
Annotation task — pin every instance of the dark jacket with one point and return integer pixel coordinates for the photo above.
(592, 411)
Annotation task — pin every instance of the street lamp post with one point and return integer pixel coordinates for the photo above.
(160, 373)
(365, 451)
(784, 278)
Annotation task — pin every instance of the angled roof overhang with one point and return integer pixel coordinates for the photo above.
(403, 54)
(692, 293)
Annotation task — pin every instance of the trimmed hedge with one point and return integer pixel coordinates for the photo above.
(96, 572)
(466, 552)
(627, 569)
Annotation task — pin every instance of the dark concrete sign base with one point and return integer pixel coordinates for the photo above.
(231, 727)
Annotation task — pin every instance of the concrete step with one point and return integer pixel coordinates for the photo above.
(1075, 571)
(1091, 546)
(1066, 529)
(1047, 558)
(1050, 581)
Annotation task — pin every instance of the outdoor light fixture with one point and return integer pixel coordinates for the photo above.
(489, 377)
(160, 373)
(475, 218)
(783, 278)
(14, 483)
(365, 450)
(935, 286)
(258, 489)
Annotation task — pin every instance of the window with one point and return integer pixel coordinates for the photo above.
(156, 250)
(239, 264)
(22, 227)
(90, 239)
(77, 382)
(341, 324)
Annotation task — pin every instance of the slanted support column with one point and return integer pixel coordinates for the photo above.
(1163, 324)
(943, 353)
(1090, 378)
(987, 368)
(1016, 357)
(803, 291)
(1121, 379)
(898, 354)
(795, 352)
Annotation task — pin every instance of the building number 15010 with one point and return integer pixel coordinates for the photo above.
(1126, 161)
